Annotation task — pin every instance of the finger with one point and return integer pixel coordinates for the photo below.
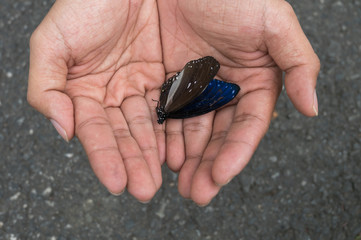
(293, 53)
(203, 187)
(140, 180)
(175, 144)
(96, 135)
(159, 129)
(197, 132)
(138, 117)
(47, 80)
(250, 123)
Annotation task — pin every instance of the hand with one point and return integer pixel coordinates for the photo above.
(254, 41)
(94, 68)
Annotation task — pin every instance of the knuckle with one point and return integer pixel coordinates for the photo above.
(139, 120)
(148, 149)
(101, 150)
(251, 119)
(158, 132)
(98, 120)
(316, 63)
(35, 37)
(219, 135)
(287, 8)
(194, 157)
(245, 117)
(31, 100)
(174, 133)
(195, 127)
(121, 133)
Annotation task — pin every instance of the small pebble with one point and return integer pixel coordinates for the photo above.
(275, 175)
(303, 183)
(20, 121)
(9, 74)
(88, 204)
(160, 212)
(69, 155)
(15, 196)
(47, 191)
(273, 159)
(50, 203)
(12, 237)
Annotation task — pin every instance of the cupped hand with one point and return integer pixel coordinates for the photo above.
(254, 41)
(95, 67)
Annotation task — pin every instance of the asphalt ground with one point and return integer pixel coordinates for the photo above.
(302, 183)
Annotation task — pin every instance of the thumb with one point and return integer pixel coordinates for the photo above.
(293, 53)
(47, 81)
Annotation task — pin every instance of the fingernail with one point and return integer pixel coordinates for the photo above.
(60, 130)
(203, 204)
(315, 103)
(117, 194)
(221, 185)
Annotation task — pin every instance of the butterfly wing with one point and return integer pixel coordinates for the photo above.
(185, 86)
(216, 95)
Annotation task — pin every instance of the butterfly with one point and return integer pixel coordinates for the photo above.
(193, 91)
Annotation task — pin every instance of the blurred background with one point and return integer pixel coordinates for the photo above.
(302, 183)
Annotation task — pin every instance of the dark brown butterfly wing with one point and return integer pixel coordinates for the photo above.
(186, 85)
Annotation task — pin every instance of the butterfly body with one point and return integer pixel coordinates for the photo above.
(193, 91)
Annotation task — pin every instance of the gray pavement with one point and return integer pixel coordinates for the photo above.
(303, 182)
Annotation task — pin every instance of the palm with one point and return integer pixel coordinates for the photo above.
(188, 32)
(114, 66)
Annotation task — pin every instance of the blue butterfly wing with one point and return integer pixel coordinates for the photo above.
(216, 95)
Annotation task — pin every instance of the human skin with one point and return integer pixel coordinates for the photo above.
(95, 68)
(254, 41)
